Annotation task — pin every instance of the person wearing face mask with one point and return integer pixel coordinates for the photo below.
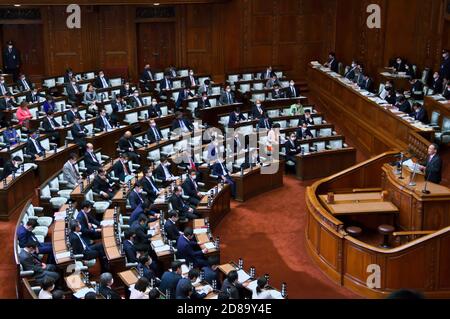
(417, 88)
(154, 133)
(437, 84)
(11, 60)
(102, 185)
(403, 105)
(154, 110)
(166, 83)
(126, 90)
(135, 198)
(179, 204)
(163, 173)
(351, 72)
(68, 75)
(10, 136)
(24, 84)
(34, 147)
(203, 103)
(11, 166)
(90, 227)
(102, 121)
(73, 90)
(91, 161)
(106, 283)
(205, 87)
(117, 105)
(332, 62)
(219, 169)
(419, 113)
(267, 74)
(292, 92)
(235, 117)
(192, 189)
(181, 123)
(4, 90)
(149, 185)
(34, 96)
(22, 113)
(292, 148)
(127, 145)
(191, 82)
(277, 93)
(121, 169)
(101, 82)
(70, 172)
(29, 259)
(444, 70)
(399, 65)
(227, 97)
(304, 132)
(49, 104)
(50, 126)
(182, 96)
(146, 77)
(272, 82)
(136, 100)
(257, 110)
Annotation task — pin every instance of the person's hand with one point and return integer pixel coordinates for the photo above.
(157, 215)
(205, 251)
(98, 230)
(44, 265)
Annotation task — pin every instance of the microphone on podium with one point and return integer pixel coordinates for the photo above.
(425, 187)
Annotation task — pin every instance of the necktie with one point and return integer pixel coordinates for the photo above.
(155, 132)
(105, 85)
(293, 91)
(2, 87)
(25, 84)
(166, 172)
(94, 157)
(192, 81)
(195, 184)
(51, 123)
(107, 125)
(138, 101)
(192, 164)
(75, 169)
(36, 146)
(140, 198)
(229, 98)
(182, 125)
(266, 123)
(153, 186)
(75, 88)
(125, 168)
(223, 169)
(150, 75)
(82, 242)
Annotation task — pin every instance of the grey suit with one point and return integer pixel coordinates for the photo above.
(271, 83)
(70, 175)
(226, 98)
(31, 262)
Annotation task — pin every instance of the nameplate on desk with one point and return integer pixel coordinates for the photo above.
(63, 255)
(210, 246)
(162, 249)
(200, 231)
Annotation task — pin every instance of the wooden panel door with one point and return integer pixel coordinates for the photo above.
(27, 39)
(156, 45)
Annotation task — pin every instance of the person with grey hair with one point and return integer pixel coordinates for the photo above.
(106, 282)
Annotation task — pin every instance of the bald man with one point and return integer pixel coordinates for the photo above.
(257, 110)
(127, 145)
(91, 161)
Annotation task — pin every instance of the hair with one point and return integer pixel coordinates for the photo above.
(188, 231)
(74, 224)
(214, 260)
(143, 259)
(260, 284)
(142, 218)
(105, 279)
(146, 204)
(86, 204)
(47, 283)
(58, 294)
(31, 244)
(175, 265)
(154, 294)
(173, 213)
(232, 276)
(141, 284)
(276, 125)
(32, 222)
(73, 156)
(137, 184)
(146, 169)
(406, 294)
(436, 147)
(193, 274)
(17, 159)
(185, 287)
(90, 295)
(223, 295)
(128, 234)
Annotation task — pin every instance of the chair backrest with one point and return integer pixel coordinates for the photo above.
(283, 124)
(19, 153)
(175, 95)
(21, 98)
(154, 155)
(325, 132)
(83, 87)
(224, 120)
(273, 113)
(54, 183)
(183, 72)
(89, 195)
(192, 105)
(165, 132)
(244, 88)
(131, 118)
(33, 111)
(313, 132)
(164, 110)
(305, 147)
(279, 74)
(147, 100)
(425, 75)
(116, 81)
(213, 102)
(45, 192)
(336, 144)
(159, 76)
(435, 118)
(233, 78)
(60, 80)
(317, 120)
(202, 80)
(216, 90)
(89, 75)
(381, 88)
(258, 86)
(247, 76)
(108, 108)
(60, 105)
(294, 122)
(259, 96)
(168, 148)
(181, 145)
(320, 146)
(177, 84)
(46, 144)
(49, 83)
(446, 124)
(90, 128)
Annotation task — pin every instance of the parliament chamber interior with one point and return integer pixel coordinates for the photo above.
(225, 149)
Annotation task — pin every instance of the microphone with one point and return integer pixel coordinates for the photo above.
(425, 187)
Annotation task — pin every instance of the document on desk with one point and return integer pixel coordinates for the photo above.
(82, 292)
(157, 243)
(106, 223)
(210, 246)
(243, 276)
(161, 249)
(198, 231)
(414, 167)
(63, 255)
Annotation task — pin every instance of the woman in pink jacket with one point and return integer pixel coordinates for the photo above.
(23, 114)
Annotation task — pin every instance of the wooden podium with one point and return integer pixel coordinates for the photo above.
(418, 211)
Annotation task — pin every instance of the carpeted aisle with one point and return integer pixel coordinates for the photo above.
(268, 232)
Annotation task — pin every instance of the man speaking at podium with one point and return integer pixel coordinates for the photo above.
(433, 165)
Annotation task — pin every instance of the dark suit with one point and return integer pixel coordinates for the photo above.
(141, 240)
(11, 61)
(400, 67)
(190, 188)
(108, 293)
(169, 281)
(222, 171)
(71, 93)
(135, 199)
(91, 163)
(70, 116)
(154, 134)
(100, 124)
(278, 94)
(130, 251)
(176, 124)
(446, 94)
(367, 85)
(437, 86)
(171, 230)
(146, 77)
(22, 84)
(31, 148)
(180, 294)
(421, 115)
(136, 101)
(85, 220)
(351, 74)
(79, 135)
(165, 84)
(417, 90)
(34, 98)
(149, 186)
(334, 65)
(8, 169)
(32, 262)
(126, 92)
(404, 107)
(179, 205)
(444, 70)
(125, 145)
(98, 83)
(256, 114)
(191, 82)
(183, 95)
(154, 111)
(189, 251)
(26, 236)
(433, 171)
(303, 134)
(159, 173)
(233, 119)
(100, 185)
(267, 74)
(265, 122)
(119, 171)
(291, 149)
(234, 289)
(88, 251)
(49, 130)
(227, 98)
(292, 92)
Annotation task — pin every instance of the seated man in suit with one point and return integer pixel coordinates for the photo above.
(70, 171)
(142, 239)
(117, 105)
(399, 65)
(227, 97)
(148, 268)
(367, 83)
(189, 250)
(267, 73)
(73, 113)
(105, 287)
(257, 110)
(154, 109)
(11, 167)
(391, 97)
(154, 133)
(191, 188)
(34, 147)
(121, 169)
(90, 227)
(102, 185)
(25, 235)
(205, 88)
(191, 82)
(81, 246)
(10, 135)
(149, 185)
(236, 117)
(292, 92)
(178, 204)
(166, 83)
(417, 89)
(129, 248)
(73, 90)
(403, 105)
(252, 159)
(231, 284)
(145, 209)
(185, 288)
(102, 122)
(181, 124)
(203, 103)
(277, 93)
(270, 84)
(169, 280)
(146, 77)
(332, 63)
(170, 226)
(446, 93)
(433, 165)
(221, 171)
(239, 143)
(4, 90)
(91, 161)
(127, 145)
(68, 75)
(135, 198)
(419, 114)
(29, 259)
(24, 84)
(437, 84)
(101, 81)
(50, 127)
(34, 96)
(126, 90)
(265, 122)
(135, 100)
(182, 96)
(79, 133)
(351, 73)
(291, 148)
(304, 133)
(163, 173)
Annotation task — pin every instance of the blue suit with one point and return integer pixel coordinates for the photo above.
(135, 199)
(195, 294)
(10, 137)
(130, 251)
(85, 231)
(169, 281)
(221, 170)
(25, 236)
(139, 211)
(185, 250)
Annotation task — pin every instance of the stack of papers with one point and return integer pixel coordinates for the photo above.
(243, 276)
(161, 249)
(63, 255)
(210, 246)
(157, 243)
(200, 231)
(205, 290)
(106, 223)
(82, 292)
(252, 285)
(60, 215)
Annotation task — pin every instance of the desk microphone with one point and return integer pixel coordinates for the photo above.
(425, 189)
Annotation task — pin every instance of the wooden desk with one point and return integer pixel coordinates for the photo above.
(400, 82)
(362, 208)
(53, 162)
(253, 183)
(324, 163)
(106, 140)
(220, 206)
(129, 277)
(209, 115)
(372, 127)
(16, 192)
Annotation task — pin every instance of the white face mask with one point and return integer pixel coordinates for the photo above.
(154, 103)
(10, 46)
(258, 105)
(136, 94)
(228, 90)
(2, 81)
(292, 84)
